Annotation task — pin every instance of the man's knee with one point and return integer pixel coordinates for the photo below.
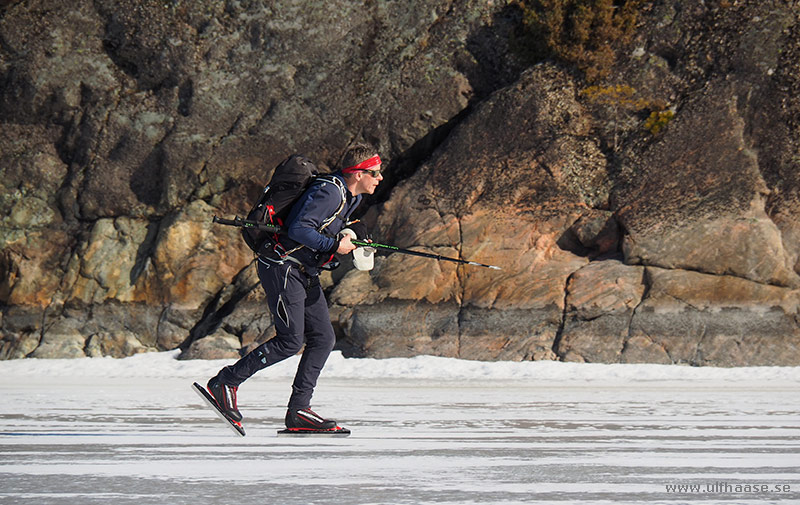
(286, 345)
(321, 338)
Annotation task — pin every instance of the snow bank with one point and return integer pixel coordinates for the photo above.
(166, 364)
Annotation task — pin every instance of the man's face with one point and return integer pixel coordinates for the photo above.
(370, 179)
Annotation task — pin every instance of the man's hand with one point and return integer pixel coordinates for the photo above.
(345, 245)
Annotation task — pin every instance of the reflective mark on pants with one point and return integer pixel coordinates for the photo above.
(283, 314)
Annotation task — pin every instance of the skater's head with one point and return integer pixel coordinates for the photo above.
(361, 167)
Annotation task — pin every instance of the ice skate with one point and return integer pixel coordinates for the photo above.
(307, 422)
(225, 396)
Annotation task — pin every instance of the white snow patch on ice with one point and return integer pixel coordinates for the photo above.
(166, 364)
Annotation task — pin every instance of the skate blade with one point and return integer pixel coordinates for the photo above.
(337, 432)
(206, 396)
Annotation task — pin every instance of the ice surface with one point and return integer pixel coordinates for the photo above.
(425, 430)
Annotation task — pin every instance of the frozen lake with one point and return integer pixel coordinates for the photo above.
(425, 430)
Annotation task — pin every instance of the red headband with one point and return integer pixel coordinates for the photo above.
(364, 165)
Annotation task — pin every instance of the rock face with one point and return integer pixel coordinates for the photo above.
(704, 208)
(126, 125)
(504, 200)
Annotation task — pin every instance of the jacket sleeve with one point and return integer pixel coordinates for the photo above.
(317, 204)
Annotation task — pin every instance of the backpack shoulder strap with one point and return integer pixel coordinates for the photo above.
(326, 179)
(331, 179)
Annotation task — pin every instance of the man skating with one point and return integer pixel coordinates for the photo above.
(290, 279)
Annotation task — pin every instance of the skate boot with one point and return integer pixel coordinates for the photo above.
(225, 396)
(307, 420)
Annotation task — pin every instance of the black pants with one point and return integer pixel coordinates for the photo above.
(300, 314)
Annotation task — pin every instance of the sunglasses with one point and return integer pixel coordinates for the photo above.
(373, 173)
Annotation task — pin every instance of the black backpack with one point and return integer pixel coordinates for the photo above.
(288, 183)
